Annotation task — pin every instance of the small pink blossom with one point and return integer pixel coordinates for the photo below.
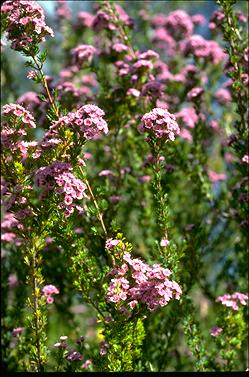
(110, 243)
(114, 199)
(31, 75)
(144, 179)
(12, 280)
(17, 331)
(223, 96)
(119, 47)
(106, 173)
(86, 364)
(164, 242)
(133, 92)
(215, 177)
(82, 54)
(195, 93)
(48, 291)
(216, 331)
(50, 300)
(185, 134)
(245, 159)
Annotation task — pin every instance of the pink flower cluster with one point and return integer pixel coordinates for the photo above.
(87, 121)
(171, 29)
(202, 48)
(137, 65)
(63, 10)
(82, 54)
(195, 93)
(84, 19)
(102, 20)
(135, 282)
(216, 19)
(29, 99)
(164, 40)
(16, 121)
(188, 116)
(9, 224)
(179, 24)
(110, 243)
(160, 124)
(58, 177)
(232, 301)
(48, 291)
(25, 23)
(223, 96)
(17, 112)
(152, 88)
(119, 47)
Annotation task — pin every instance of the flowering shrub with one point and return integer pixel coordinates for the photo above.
(124, 186)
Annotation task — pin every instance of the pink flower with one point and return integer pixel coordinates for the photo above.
(152, 88)
(27, 17)
(63, 10)
(84, 19)
(58, 178)
(215, 177)
(198, 19)
(233, 300)
(48, 291)
(214, 124)
(110, 243)
(144, 178)
(114, 199)
(31, 75)
(216, 331)
(149, 55)
(160, 123)
(164, 242)
(87, 121)
(188, 116)
(17, 331)
(119, 47)
(185, 134)
(8, 237)
(17, 111)
(195, 93)
(106, 173)
(245, 159)
(141, 283)
(83, 54)
(223, 96)
(103, 348)
(12, 280)
(86, 364)
(179, 24)
(133, 92)
(202, 48)
(50, 300)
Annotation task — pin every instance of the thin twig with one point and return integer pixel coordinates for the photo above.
(99, 214)
(45, 85)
